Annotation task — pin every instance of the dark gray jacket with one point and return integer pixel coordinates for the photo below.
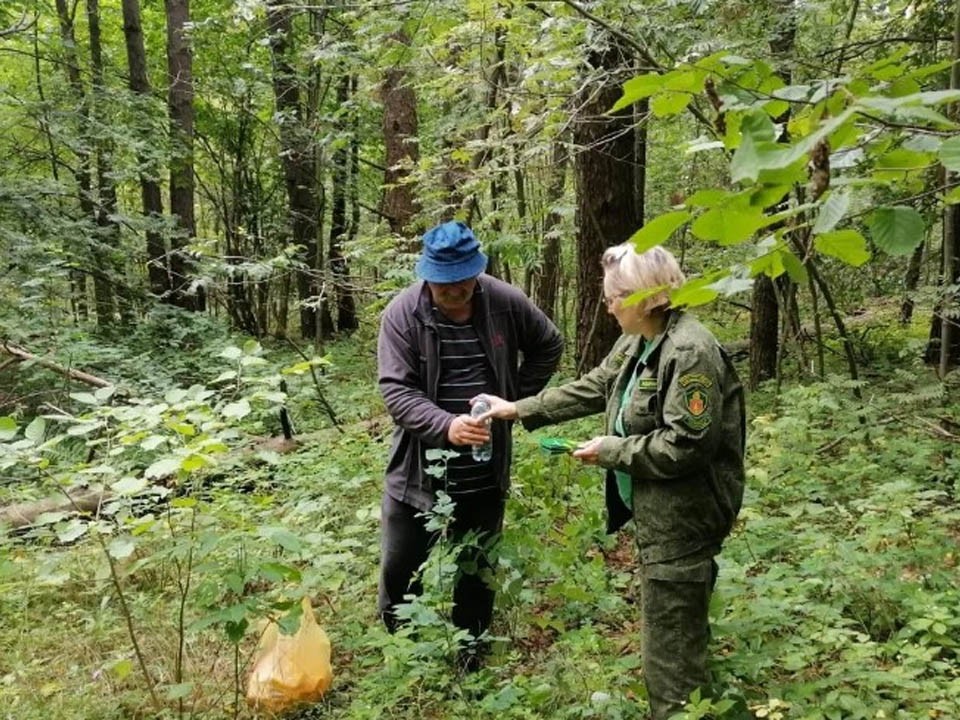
(509, 326)
(686, 431)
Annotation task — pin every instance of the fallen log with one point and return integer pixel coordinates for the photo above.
(19, 354)
(21, 515)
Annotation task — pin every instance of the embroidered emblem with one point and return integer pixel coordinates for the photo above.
(647, 383)
(695, 388)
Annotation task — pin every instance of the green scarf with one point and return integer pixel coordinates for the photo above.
(624, 481)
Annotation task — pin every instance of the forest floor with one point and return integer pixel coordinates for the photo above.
(838, 597)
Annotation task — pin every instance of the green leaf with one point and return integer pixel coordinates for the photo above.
(846, 245)
(670, 103)
(231, 353)
(897, 230)
(769, 264)
(128, 485)
(952, 197)
(178, 691)
(74, 530)
(729, 226)
(121, 548)
(795, 268)
(238, 410)
(8, 428)
(658, 230)
(105, 393)
(695, 292)
(832, 212)
(194, 462)
(122, 668)
(85, 398)
(949, 154)
(163, 468)
(638, 88)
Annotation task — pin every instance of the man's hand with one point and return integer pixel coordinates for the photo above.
(499, 408)
(589, 451)
(465, 430)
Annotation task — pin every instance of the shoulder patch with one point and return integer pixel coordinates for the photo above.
(696, 399)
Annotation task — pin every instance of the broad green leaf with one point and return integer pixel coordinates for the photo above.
(85, 398)
(794, 266)
(658, 230)
(831, 212)
(638, 88)
(185, 429)
(178, 691)
(904, 86)
(238, 410)
(252, 347)
(732, 285)
(687, 79)
(73, 530)
(706, 197)
(152, 442)
(949, 154)
(163, 468)
(897, 230)
(128, 485)
(846, 245)
(695, 292)
(729, 226)
(670, 103)
(226, 375)
(769, 264)
(231, 353)
(8, 428)
(105, 393)
(121, 548)
(193, 462)
(952, 197)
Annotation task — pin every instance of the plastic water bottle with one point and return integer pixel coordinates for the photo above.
(482, 453)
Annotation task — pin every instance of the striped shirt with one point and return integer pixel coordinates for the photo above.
(465, 372)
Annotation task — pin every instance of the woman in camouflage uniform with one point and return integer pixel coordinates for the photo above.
(673, 452)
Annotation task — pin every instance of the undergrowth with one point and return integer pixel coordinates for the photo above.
(838, 593)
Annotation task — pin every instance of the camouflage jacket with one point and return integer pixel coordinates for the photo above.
(685, 434)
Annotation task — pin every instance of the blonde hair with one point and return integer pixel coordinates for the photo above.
(625, 271)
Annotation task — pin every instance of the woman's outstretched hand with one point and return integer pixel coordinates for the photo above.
(499, 408)
(589, 452)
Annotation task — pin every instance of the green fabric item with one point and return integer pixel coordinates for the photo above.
(624, 481)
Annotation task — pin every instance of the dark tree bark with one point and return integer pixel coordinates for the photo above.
(401, 142)
(108, 238)
(607, 212)
(83, 171)
(158, 268)
(298, 158)
(180, 106)
(765, 317)
(946, 317)
(764, 333)
(547, 273)
(346, 307)
(911, 280)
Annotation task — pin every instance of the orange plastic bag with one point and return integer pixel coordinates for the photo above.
(291, 669)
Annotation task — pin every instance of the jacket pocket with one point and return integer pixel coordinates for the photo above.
(640, 414)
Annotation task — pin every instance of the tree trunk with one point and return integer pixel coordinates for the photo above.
(607, 213)
(298, 158)
(83, 172)
(402, 147)
(346, 308)
(547, 273)
(949, 315)
(180, 103)
(765, 317)
(110, 253)
(764, 323)
(910, 282)
(158, 268)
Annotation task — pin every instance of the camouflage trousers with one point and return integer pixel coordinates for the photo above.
(675, 597)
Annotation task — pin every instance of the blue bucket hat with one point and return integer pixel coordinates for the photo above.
(450, 254)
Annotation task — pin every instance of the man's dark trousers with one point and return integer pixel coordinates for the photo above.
(405, 544)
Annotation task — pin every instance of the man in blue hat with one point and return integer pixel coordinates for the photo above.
(454, 334)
